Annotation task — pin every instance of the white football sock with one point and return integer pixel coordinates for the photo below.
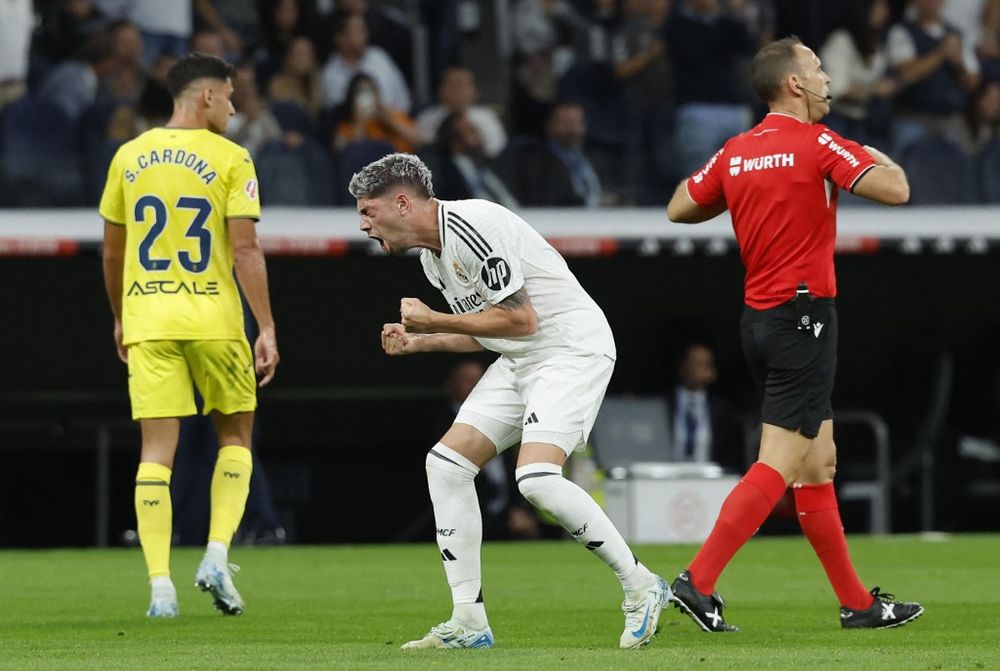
(545, 487)
(161, 582)
(218, 551)
(459, 529)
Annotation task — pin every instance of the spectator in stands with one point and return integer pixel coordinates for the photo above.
(705, 44)
(460, 166)
(988, 46)
(457, 93)
(388, 29)
(66, 25)
(15, 41)
(253, 125)
(983, 117)
(759, 17)
(642, 69)
(546, 37)
(549, 26)
(166, 27)
(854, 57)
(639, 53)
(965, 16)
(74, 84)
(353, 55)
(298, 80)
(936, 70)
(364, 115)
(234, 20)
(127, 76)
(155, 103)
(556, 172)
(208, 42)
(706, 427)
(281, 21)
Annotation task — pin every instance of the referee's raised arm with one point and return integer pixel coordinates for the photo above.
(886, 183)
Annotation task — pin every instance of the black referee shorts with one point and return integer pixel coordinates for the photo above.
(793, 370)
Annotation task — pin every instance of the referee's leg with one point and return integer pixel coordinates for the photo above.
(751, 501)
(819, 516)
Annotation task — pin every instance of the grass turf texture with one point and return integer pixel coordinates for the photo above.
(551, 605)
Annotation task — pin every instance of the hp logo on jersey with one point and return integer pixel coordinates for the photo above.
(496, 273)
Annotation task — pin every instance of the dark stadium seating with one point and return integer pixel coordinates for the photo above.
(299, 176)
(293, 117)
(940, 172)
(355, 156)
(40, 160)
(989, 173)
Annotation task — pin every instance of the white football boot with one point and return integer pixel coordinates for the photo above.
(453, 634)
(642, 609)
(163, 602)
(215, 577)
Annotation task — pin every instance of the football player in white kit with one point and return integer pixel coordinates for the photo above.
(511, 292)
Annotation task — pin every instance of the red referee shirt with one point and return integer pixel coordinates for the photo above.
(780, 181)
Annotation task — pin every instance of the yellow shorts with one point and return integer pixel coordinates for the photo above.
(162, 375)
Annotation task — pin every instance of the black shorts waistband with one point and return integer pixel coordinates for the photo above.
(788, 303)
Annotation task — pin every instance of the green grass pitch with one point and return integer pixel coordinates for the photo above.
(551, 605)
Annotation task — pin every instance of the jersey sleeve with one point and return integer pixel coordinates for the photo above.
(842, 161)
(705, 186)
(243, 200)
(489, 261)
(112, 206)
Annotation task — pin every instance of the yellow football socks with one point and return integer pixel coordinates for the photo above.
(154, 515)
(230, 486)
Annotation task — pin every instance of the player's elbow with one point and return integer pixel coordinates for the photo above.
(900, 193)
(674, 213)
(112, 257)
(522, 322)
(677, 212)
(895, 194)
(246, 249)
(527, 323)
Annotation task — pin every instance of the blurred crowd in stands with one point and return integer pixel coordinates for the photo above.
(594, 102)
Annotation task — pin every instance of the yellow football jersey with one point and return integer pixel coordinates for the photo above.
(173, 189)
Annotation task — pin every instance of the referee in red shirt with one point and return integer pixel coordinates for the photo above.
(780, 181)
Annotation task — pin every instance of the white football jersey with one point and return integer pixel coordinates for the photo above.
(488, 253)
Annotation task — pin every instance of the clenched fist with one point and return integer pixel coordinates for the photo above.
(396, 341)
(416, 317)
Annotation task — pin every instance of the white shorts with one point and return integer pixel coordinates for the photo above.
(554, 400)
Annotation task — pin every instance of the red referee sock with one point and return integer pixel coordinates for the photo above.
(819, 517)
(743, 511)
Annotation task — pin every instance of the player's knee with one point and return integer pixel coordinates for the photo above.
(533, 479)
(444, 463)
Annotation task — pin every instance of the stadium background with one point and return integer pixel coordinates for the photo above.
(343, 425)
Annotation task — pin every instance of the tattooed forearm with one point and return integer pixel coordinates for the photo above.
(515, 301)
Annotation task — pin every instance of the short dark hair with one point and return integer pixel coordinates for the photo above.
(771, 65)
(196, 66)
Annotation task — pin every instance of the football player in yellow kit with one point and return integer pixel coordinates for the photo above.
(180, 208)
